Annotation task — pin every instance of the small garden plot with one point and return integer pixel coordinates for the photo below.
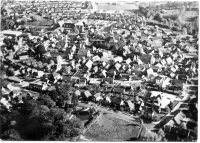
(109, 128)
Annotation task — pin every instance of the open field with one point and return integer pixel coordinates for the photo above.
(108, 128)
(117, 7)
(186, 16)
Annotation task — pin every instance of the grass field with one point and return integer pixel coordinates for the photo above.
(108, 128)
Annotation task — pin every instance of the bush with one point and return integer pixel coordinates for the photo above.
(10, 72)
(11, 135)
(155, 118)
(3, 83)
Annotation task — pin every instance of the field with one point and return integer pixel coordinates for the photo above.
(108, 128)
(186, 16)
(117, 7)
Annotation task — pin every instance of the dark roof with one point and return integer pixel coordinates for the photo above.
(119, 90)
(145, 58)
(82, 52)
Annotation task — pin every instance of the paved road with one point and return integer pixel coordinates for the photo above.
(117, 114)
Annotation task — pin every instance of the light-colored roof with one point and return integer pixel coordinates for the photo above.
(16, 79)
(87, 93)
(9, 32)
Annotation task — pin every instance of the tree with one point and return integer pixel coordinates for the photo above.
(54, 95)
(161, 133)
(10, 72)
(65, 70)
(40, 51)
(142, 8)
(76, 127)
(184, 31)
(40, 119)
(148, 14)
(11, 135)
(148, 135)
(158, 16)
(196, 23)
(3, 83)
(46, 100)
(74, 101)
(65, 92)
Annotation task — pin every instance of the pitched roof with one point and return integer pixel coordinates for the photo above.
(107, 29)
(87, 93)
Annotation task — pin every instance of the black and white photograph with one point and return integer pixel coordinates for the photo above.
(99, 70)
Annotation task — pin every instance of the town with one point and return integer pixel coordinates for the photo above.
(99, 71)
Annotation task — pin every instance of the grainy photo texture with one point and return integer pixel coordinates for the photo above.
(97, 70)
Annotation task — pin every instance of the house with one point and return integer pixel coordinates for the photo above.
(119, 90)
(56, 54)
(97, 97)
(109, 80)
(77, 93)
(156, 41)
(86, 96)
(115, 102)
(38, 86)
(131, 105)
(23, 57)
(166, 31)
(82, 52)
(81, 82)
(57, 76)
(145, 39)
(68, 24)
(145, 58)
(11, 33)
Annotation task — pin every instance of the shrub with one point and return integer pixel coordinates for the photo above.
(10, 72)
(155, 118)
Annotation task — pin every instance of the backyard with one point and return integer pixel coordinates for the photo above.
(108, 128)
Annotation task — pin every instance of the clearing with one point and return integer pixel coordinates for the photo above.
(109, 128)
(117, 7)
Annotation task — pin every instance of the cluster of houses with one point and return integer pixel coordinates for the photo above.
(65, 9)
(113, 60)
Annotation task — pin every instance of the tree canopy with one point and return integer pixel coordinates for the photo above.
(40, 119)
